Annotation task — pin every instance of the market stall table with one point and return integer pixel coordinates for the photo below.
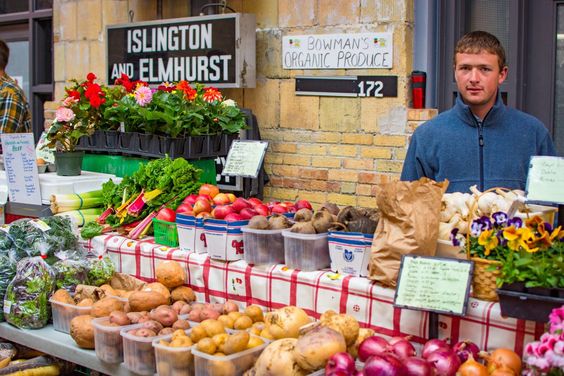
(276, 286)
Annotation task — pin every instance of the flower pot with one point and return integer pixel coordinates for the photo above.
(196, 147)
(558, 292)
(177, 147)
(69, 163)
(145, 142)
(128, 142)
(110, 140)
(515, 286)
(543, 291)
(164, 145)
(526, 306)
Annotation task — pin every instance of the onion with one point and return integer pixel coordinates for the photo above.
(403, 349)
(418, 367)
(503, 371)
(502, 358)
(433, 345)
(341, 363)
(472, 368)
(445, 362)
(384, 365)
(393, 340)
(373, 345)
(465, 348)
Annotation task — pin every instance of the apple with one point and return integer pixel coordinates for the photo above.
(166, 214)
(232, 197)
(204, 197)
(254, 201)
(202, 205)
(183, 208)
(221, 199)
(220, 211)
(248, 213)
(190, 199)
(279, 209)
(262, 209)
(272, 203)
(301, 204)
(240, 204)
(204, 215)
(232, 217)
(209, 189)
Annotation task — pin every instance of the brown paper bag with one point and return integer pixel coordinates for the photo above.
(409, 225)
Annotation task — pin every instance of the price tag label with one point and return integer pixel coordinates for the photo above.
(245, 158)
(545, 181)
(434, 284)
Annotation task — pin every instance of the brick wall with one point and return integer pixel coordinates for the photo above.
(321, 148)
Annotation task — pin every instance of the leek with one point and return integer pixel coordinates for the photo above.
(80, 217)
(75, 201)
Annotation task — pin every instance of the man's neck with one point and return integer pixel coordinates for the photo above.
(480, 111)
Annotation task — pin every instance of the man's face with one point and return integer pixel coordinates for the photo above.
(478, 77)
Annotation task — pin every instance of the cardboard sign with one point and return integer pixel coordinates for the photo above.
(434, 284)
(245, 158)
(545, 181)
(21, 168)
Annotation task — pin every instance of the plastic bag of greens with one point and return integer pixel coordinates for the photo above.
(6, 242)
(70, 270)
(101, 268)
(7, 273)
(26, 303)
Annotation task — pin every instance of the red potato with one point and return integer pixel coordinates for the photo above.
(153, 325)
(185, 309)
(177, 306)
(194, 315)
(209, 313)
(218, 307)
(230, 306)
(165, 315)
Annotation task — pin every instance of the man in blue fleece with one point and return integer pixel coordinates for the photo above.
(480, 140)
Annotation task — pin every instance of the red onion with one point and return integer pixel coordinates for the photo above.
(384, 365)
(445, 362)
(418, 367)
(403, 349)
(341, 363)
(396, 339)
(373, 345)
(463, 348)
(433, 345)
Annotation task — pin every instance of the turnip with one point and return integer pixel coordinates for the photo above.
(316, 347)
(286, 322)
(277, 359)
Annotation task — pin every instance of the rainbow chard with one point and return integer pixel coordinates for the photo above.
(102, 218)
(136, 207)
(143, 226)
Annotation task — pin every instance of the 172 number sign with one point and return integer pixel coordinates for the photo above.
(348, 86)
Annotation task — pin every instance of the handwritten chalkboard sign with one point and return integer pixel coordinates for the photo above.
(545, 181)
(245, 158)
(21, 168)
(434, 284)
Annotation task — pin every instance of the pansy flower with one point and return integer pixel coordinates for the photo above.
(500, 219)
(516, 222)
(457, 239)
(488, 240)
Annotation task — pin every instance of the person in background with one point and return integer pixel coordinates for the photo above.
(479, 141)
(15, 115)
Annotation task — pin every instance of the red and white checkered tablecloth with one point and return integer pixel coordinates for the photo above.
(277, 286)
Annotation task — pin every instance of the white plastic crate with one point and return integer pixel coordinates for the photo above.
(350, 252)
(224, 239)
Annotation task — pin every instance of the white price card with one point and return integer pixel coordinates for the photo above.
(545, 181)
(245, 158)
(21, 168)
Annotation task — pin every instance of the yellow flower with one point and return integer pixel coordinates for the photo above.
(534, 222)
(512, 236)
(488, 241)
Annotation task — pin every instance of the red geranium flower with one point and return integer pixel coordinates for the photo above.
(74, 94)
(91, 77)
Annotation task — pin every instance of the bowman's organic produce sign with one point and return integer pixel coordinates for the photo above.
(218, 50)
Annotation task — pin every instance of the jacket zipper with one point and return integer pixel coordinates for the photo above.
(480, 126)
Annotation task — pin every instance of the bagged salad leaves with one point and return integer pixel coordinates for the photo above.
(7, 273)
(26, 303)
(71, 270)
(101, 269)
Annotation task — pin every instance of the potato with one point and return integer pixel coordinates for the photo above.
(146, 300)
(134, 317)
(181, 324)
(160, 288)
(185, 309)
(62, 296)
(206, 345)
(170, 273)
(254, 342)
(82, 331)
(221, 368)
(153, 325)
(194, 315)
(265, 333)
(254, 312)
(218, 307)
(230, 306)
(197, 334)
(179, 333)
(286, 322)
(257, 328)
(278, 359)
(85, 303)
(212, 327)
(235, 315)
(120, 318)
(226, 321)
(181, 342)
(106, 306)
(177, 306)
(236, 342)
(165, 331)
(164, 314)
(108, 290)
(209, 313)
(144, 332)
(242, 323)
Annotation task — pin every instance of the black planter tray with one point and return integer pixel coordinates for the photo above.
(521, 305)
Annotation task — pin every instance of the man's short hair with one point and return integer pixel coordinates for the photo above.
(476, 42)
(4, 54)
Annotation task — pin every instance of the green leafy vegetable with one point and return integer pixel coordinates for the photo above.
(100, 270)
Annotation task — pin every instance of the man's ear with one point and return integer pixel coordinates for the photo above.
(502, 75)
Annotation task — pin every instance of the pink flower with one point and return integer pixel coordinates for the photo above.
(559, 348)
(64, 114)
(556, 318)
(69, 101)
(143, 95)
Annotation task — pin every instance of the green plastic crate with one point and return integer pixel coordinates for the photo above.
(165, 232)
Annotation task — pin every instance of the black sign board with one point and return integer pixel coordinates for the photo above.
(218, 50)
(348, 86)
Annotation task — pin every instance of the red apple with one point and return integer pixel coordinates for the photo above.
(204, 215)
(254, 201)
(301, 204)
(248, 213)
(202, 205)
(240, 204)
(220, 211)
(262, 209)
(209, 189)
(232, 197)
(232, 217)
(166, 214)
(272, 203)
(221, 199)
(183, 208)
(279, 209)
(190, 199)
(204, 197)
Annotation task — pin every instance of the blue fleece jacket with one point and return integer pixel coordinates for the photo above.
(454, 146)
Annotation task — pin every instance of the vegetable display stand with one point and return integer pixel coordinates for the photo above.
(527, 306)
(165, 233)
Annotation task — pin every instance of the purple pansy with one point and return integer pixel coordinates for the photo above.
(500, 218)
(515, 221)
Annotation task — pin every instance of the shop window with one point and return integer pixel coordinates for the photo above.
(13, 6)
(43, 4)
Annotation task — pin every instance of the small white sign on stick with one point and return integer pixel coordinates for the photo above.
(245, 158)
(545, 181)
(21, 168)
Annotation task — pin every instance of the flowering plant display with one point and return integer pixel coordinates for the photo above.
(176, 110)
(80, 113)
(530, 250)
(546, 357)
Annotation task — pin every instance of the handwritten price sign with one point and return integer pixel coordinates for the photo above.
(545, 182)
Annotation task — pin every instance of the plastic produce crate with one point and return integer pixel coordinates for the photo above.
(306, 251)
(165, 233)
(108, 341)
(173, 361)
(263, 247)
(63, 314)
(138, 353)
(527, 306)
